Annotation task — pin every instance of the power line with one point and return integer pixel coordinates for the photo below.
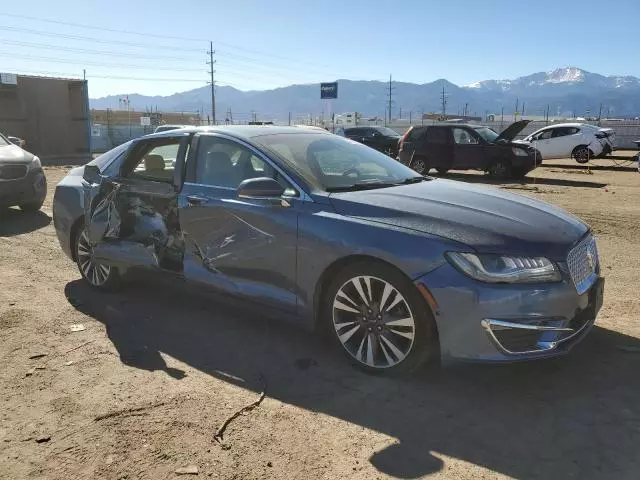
(151, 35)
(94, 52)
(98, 64)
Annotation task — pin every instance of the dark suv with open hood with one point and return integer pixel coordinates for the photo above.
(459, 146)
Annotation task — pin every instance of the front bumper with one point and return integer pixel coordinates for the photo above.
(29, 189)
(506, 323)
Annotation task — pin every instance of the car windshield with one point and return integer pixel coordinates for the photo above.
(487, 133)
(387, 132)
(333, 163)
(3, 141)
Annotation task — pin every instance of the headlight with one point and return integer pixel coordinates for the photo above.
(519, 152)
(34, 165)
(504, 268)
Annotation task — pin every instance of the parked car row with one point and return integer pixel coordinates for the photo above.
(457, 146)
(398, 268)
(22, 180)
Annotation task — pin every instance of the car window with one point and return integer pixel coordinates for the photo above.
(416, 134)
(156, 161)
(225, 163)
(564, 131)
(387, 132)
(329, 161)
(437, 135)
(3, 141)
(544, 135)
(463, 137)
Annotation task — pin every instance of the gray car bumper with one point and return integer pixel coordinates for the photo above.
(30, 189)
(501, 323)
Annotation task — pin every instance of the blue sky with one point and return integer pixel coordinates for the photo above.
(270, 43)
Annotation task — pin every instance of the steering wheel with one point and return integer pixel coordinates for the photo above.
(350, 171)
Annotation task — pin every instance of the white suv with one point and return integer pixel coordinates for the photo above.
(580, 141)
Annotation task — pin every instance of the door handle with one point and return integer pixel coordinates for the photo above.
(196, 200)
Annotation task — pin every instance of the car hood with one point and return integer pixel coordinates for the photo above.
(14, 154)
(512, 130)
(489, 220)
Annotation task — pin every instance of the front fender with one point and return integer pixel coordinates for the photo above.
(326, 237)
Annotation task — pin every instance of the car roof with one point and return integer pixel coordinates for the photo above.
(245, 132)
(450, 125)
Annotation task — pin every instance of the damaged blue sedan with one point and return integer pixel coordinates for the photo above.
(400, 269)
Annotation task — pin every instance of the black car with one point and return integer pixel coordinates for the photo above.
(461, 147)
(382, 139)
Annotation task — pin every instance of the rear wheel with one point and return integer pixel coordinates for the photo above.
(519, 172)
(99, 276)
(500, 169)
(582, 154)
(419, 166)
(379, 319)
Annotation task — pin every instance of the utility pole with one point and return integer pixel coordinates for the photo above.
(390, 97)
(600, 114)
(289, 118)
(522, 116)
(211, 62)
(444, 104)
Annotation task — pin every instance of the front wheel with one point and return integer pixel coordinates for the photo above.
(103, 277)
(500, 169)
(379, 319)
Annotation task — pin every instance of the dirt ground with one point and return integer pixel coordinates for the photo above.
(141, 391)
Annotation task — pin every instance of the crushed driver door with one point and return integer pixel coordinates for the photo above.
(131, 218)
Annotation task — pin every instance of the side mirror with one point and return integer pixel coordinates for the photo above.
(91, 174)
(262, 187)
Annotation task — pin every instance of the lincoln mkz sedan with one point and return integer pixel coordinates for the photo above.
(398, 268)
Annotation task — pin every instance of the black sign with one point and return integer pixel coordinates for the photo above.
(329, 90)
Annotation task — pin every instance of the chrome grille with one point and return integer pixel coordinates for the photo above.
(12, 172)
(583, 264)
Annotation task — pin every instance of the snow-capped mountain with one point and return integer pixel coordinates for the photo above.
(568, 77)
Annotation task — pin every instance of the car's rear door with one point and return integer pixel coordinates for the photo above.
(438, 148)
(468, 149)
(131, 215)
(244, 246)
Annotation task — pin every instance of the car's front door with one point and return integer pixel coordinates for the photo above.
(244, 246)
(131, 217)
(468, 150)
(543, 142)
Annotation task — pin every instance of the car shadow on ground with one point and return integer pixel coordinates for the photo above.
(485, 179)
(576, 416)
(577, 166)
(16, 222)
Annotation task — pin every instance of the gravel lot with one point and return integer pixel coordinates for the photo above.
(141, 391)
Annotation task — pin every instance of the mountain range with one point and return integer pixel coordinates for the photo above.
(568, 91)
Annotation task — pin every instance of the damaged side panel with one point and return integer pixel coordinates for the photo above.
(133, 223)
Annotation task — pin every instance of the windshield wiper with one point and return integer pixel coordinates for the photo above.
(375, 184)
(409, 180)
(362, 186)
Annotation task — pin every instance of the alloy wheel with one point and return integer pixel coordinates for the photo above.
(94, 273)
(373, 322)
(419, 166)
(582, 155)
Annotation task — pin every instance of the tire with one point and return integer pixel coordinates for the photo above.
(31, 207)
(365, 335)
(419, 165)
(500, 169)
(101, 277)
(442, 171)
(581, 154)
(519, 172)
